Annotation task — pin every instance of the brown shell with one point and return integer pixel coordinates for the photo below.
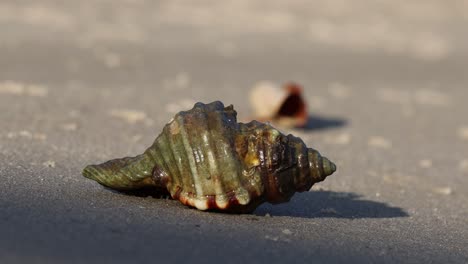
(207, 160)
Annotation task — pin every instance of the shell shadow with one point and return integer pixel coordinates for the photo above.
(321, 204)
(315, 122)
(314, 204)
(144, 192)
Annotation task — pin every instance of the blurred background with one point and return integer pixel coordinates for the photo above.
(386, 85)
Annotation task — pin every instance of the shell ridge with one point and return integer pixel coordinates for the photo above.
(196, 180)
(183, 163)
(211, 153)
(267, 177)
(162, 145)
(175, 173)
(242, 194)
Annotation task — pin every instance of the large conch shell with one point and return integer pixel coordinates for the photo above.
(205, 159)
(283, 106)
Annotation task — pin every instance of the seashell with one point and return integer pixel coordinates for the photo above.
(283, 106)
(205, 159)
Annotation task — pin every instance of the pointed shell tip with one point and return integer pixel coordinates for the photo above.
(328, 167)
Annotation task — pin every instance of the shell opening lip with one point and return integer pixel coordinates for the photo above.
(294, 105)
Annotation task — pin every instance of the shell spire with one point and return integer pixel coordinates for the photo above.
(205, 159)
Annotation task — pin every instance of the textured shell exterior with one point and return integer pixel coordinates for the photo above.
(207, 160)
(198, 161)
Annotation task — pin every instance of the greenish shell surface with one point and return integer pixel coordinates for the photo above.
(207, 160)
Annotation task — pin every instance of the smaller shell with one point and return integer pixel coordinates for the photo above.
(283, 106)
